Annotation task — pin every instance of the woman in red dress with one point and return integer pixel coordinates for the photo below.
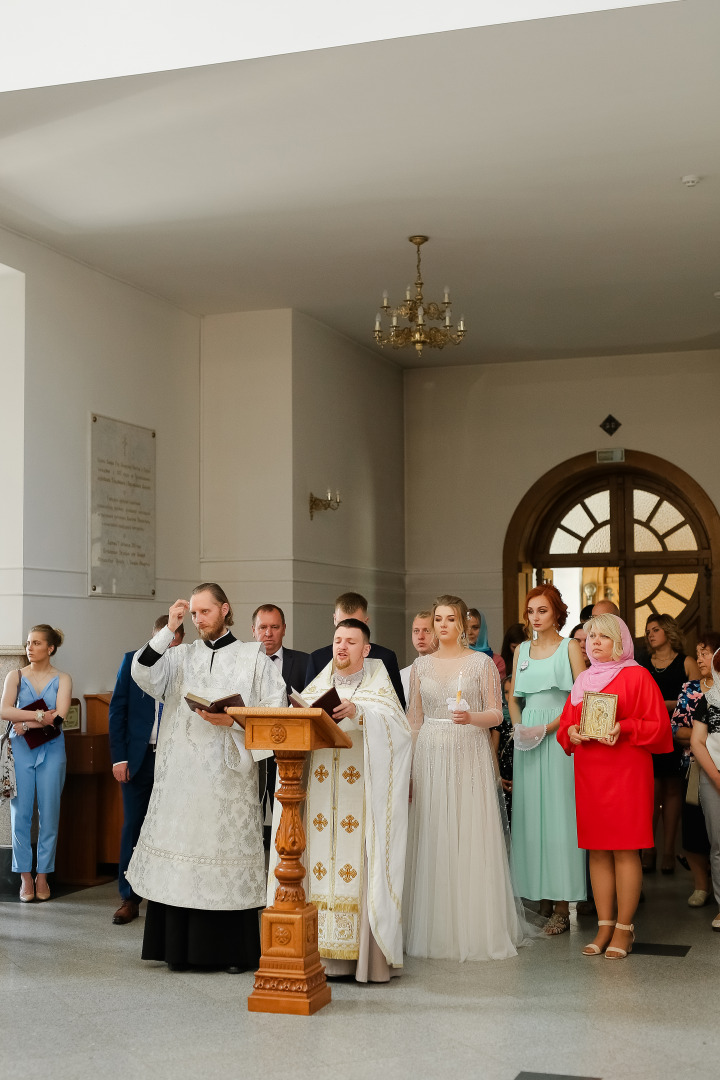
(614, 785)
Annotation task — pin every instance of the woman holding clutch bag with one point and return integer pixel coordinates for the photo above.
(705, 746)
(614, 778)
(40, 770)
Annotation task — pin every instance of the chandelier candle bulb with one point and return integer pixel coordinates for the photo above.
(385, 303)
(461, 324)
(447, 294)
(408, 293)
(377, 321)
(394, 320)
(447, 318)
(420, 316)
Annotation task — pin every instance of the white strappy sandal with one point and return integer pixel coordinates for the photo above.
(592, 949)
(613, 952)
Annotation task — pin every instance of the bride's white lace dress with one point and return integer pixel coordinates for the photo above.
(459, 901)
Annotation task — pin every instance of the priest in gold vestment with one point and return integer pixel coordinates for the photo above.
(356, 816)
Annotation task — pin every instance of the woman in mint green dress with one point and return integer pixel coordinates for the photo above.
(547, 864)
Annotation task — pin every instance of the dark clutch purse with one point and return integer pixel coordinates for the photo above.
(37, 736)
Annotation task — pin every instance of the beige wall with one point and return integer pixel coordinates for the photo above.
(284, 393)
(477, 438)
(95, 344)
(12, 437)
(347, 435)
(246, 460)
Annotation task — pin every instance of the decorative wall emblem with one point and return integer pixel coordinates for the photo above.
(278, 733)
(321, 773)
(319, 871)
(351, 775)
(320, 822)
(347, 873)
(349, 823)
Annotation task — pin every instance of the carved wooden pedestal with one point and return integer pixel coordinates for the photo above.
(291, 976)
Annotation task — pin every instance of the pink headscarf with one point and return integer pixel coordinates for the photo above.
(597, 676)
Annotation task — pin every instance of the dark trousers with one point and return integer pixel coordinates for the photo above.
(136, 796)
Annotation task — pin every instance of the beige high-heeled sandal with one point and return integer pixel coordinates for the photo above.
(592, 949)
(613, 952)
(26, 897)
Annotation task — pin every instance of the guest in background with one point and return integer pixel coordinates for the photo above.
(134, 718)
(695, 841)
(705, 745)
(478, 639)
(579, 634)
(586, 613)
(424, 642)
(670, 668)
(41, 771)
(514, 635)
(605, 607)
(547, 864)
(352, 605)
(501, 740)
(269, 628)
(613, 778)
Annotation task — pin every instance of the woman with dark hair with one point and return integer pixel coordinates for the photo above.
(695, 842)
(547, 864)
(514, 635)
(579, 634)
(705, 745)
(478, 639)
(38, 748)
(670, 668)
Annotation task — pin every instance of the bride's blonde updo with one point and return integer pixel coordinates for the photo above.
(461, 613)
(52, 634)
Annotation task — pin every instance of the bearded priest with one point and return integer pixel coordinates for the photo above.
(356, 816)
(199, 860)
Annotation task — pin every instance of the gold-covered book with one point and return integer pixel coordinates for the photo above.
(598, 714)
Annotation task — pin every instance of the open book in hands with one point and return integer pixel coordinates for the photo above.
(232, 701)
(327, 701)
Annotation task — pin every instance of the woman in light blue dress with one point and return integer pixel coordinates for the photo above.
(547, 864)
(41, 770)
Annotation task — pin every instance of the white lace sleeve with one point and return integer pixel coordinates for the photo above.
(490, 694)
(415, 713)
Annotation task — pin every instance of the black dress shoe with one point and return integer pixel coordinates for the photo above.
(232, 970)
(179, 967)
(127, 911)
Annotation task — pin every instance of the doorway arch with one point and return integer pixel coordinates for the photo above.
(644, 517)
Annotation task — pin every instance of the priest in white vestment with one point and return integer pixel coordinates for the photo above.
(356, 816)
(199, 860)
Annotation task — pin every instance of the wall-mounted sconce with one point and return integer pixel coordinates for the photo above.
(331, 503)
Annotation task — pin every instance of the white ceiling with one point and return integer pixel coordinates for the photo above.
(543, 159)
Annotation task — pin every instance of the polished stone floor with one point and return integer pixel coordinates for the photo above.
(78, 1002)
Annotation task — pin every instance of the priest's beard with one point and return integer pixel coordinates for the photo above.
(343, 665)
(212, 633)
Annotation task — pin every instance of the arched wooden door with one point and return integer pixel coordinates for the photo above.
(650, 525)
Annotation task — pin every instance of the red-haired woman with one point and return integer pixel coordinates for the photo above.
(547, 864)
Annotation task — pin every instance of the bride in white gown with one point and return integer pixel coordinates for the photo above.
(459, 899)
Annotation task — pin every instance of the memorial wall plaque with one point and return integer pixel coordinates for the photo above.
(122, 509)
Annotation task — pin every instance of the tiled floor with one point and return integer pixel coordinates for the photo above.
(77, 1002)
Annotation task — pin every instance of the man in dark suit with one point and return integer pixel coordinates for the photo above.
(268, 627)
(353, 605)
(134, 722)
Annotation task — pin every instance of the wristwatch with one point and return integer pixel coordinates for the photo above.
(40, 715)
(25, 727)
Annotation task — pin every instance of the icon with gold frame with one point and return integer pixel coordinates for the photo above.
(598, 714)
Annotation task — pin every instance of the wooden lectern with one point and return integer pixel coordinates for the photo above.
(291, 976)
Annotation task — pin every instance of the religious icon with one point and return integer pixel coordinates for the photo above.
(598, 714)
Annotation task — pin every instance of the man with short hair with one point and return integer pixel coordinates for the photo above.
(356, 816)
(352, 605)
(424, 642)
(199, 860)
(605, 607)
(134, 718)
(269, 628)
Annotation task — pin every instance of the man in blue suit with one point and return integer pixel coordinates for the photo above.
(134, 721)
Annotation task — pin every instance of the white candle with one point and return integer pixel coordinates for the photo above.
(459, 689)
(394, 322)
(447, 318)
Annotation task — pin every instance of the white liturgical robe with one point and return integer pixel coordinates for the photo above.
(356, 820)
(201, 841)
